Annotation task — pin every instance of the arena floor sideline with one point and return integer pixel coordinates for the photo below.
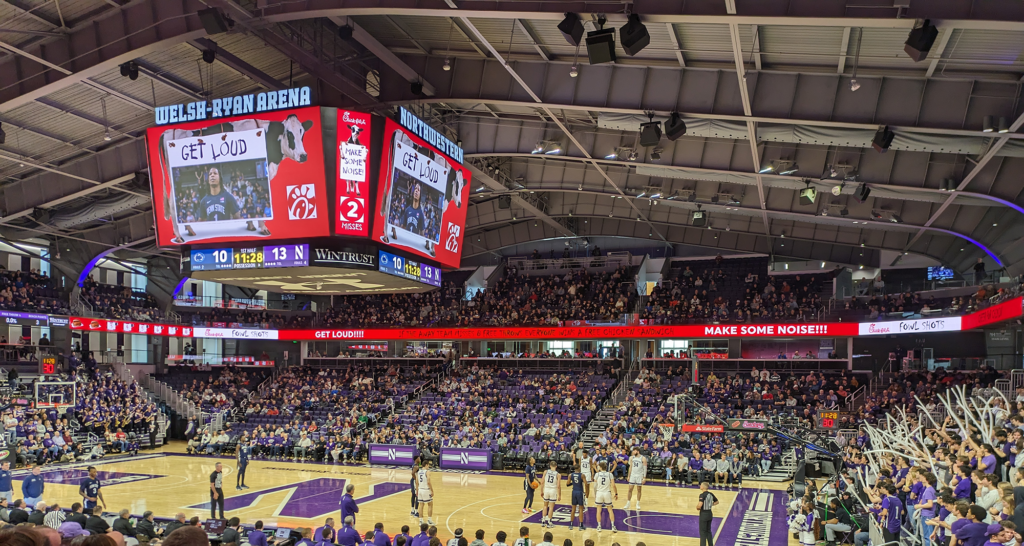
(304, 494)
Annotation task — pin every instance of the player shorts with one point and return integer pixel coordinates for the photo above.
(424, 495)
(636, 480)
(587, 477)
(550, 494)
(577, 498)
(603, 498)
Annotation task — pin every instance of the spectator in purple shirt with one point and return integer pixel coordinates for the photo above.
(329, 525)
(422, 538)
(975, 531)
(257, 538)
(380, 538)
(926, 505)
(963, 486)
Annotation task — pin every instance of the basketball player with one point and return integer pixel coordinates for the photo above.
(584, 463)
(637, 477)
(424, 493)
(552, 493)
(604, 488)
(90, 491)
(412, 483)
(577, 483)
(244, 452)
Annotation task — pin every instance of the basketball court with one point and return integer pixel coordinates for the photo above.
(304, 494)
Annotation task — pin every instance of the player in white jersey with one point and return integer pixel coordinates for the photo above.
(552, 493)
(604, 486)
(425, 493)
(585, 462)
(637, 476)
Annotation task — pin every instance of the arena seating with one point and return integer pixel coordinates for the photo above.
(120, 302)
(30, 291)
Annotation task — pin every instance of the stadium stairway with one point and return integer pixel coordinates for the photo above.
(784, 471)
(598, 425)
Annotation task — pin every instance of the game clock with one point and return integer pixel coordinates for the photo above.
(828, 419)
(48, 365)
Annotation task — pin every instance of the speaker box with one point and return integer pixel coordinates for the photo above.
(883, 139)
(601, 46)
(862, 193)
(675, 127)
(808, 195)
(572, 29)
(650, 134)
(504, 201)
(920, 41)
(700, 218)
(213, 21)
(634, 35)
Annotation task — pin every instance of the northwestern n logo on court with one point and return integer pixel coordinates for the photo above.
(307, 499)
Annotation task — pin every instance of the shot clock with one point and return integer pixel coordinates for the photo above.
(828, 419)
(48, 365)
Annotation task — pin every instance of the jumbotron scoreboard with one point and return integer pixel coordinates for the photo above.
(260, 257)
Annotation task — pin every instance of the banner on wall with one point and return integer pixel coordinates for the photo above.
(465, 458)
(393, 454)
(689, 427)
(130, 327)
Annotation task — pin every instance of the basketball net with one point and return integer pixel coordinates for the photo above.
(666, 430)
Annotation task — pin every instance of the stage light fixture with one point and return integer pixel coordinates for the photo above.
(808, 195)
(447, 64)
(854, 85)
(790, 169)
(130, 70)
(895, 218)
(986, 124)
(862, 193)
(345, 32)
(920, 40)
(768, 169)
(209, 56)
(656, 154)
(699, 218)
(883, 139)
(416, 88)
(571, 28)
(837, 190)
(675, 127)
(1004, 127)
(574, 71)
(634, 35)
(633, 155)
(214, 21)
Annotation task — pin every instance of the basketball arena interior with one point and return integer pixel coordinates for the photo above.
(480, 273)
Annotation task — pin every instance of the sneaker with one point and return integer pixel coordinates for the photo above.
(238, 488)
(637, 506)
(627, 506)
(245, 486)
(526, 510)
(430, 521)
(421, 521)
(583, 527)
(412, 512)
(614, 530)
(598, 527)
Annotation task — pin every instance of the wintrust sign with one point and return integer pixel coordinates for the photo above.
(918, 326)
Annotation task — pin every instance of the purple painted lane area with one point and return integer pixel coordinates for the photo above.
(757, 518)
(74, 476)
(644, 521)
(309, 499)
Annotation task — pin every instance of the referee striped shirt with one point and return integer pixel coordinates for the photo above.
(54, 518)
(707, 501)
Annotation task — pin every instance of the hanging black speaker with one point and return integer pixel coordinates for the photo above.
(675, 127)
(634, 35)
(883, 138)
(920, 41)
(504, 201)
(601, 46)
(572, 28)
(214, 21)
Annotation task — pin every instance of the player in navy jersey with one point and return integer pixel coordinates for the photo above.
(90, 491)
(244, 452)
(413, 214)
(579, 498)
(219, 204)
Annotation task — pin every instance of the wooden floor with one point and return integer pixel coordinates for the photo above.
(303, 494)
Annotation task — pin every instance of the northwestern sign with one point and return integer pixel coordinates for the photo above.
(393, 454)
(465, 458)
(343, 257)
(241, 105)
(421, 129)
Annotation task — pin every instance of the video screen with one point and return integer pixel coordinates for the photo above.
(239, 179)
(421, 199)
(938, 273)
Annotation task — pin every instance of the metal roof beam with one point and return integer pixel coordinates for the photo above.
(70, 197)
(741, 73)
(170, 81)
(385, 55)
(487, 180)
(525, 28)
(29, 12)
(238, 65)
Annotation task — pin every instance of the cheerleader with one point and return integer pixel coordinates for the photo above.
(802, 525)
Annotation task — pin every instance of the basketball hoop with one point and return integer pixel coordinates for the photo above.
(666, 430)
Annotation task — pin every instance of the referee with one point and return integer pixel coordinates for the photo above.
(217, 492)
(705, 502)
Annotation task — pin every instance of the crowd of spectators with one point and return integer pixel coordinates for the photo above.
(120, 302)
(436, 308)
(220, 390)
(486, 406)
(701, 297)
(229, 318)
(30, 291)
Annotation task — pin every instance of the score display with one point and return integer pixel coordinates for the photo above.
(260, 257)
(828, 419)
(408, 269)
